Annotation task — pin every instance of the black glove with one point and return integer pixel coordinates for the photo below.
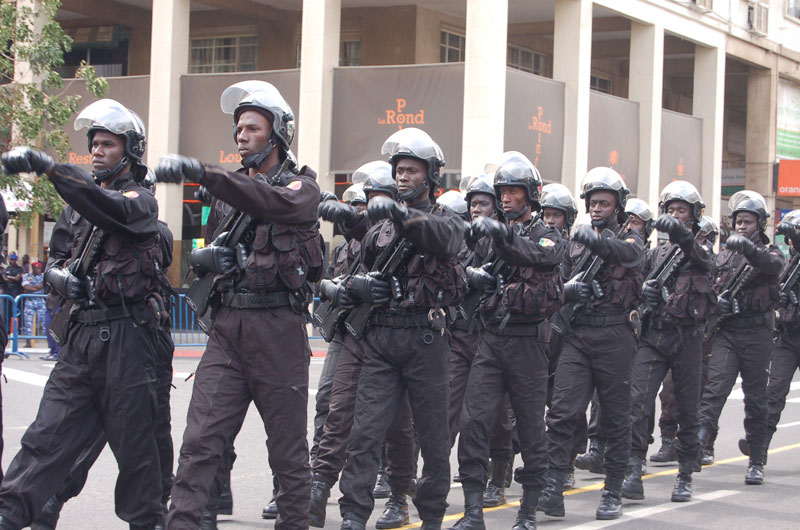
(588, 238)
(484, 226)
(174, 169)
(741, 244)
(336, 293)
(789, 299)
(220, 260)
(575, 291)
(651, 294)
(369, 289)
(203, 195)
(325, 195)
(385, 208)
(480, 279)
(24, 159)
(335, 211)
(724, 306)
(790, 231)
(66, 283)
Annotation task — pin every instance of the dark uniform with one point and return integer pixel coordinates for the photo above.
(3, 333)
(403, 352)
(258, 349)
(106, 377)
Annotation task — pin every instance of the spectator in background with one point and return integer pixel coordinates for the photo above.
(13, 276)
(26, 264)
(32, 283)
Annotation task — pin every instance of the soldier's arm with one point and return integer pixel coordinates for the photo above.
(357, 229)
(438, 235)
(165, 242)
(697, 254)
(131, 213)
(768, 260)
(544, 248)
(294, 203)
(627, 251)
(59, 251)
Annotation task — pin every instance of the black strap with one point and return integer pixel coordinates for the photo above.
(599, 321)
(116, 312)
(249, 300)
(399, 320)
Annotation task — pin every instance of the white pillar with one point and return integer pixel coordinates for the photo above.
(645, 86)
(319, 55)
(169, 59)
(708, 104)
(572, 65)
(762, 129)
(484, 84)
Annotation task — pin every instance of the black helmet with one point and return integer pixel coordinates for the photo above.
(483, 183)
(642, 210)
(680, 190)
(262, 97)
(416, 143)
(116, 118)
(454, 200)
(355, 194)
(516, 170)
(558, 197)
(377, 176)
(605, 179)
(749, 201)
(708, 227)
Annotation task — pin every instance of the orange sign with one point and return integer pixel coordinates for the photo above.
(539, 126)
(789, 178)
(399, 116)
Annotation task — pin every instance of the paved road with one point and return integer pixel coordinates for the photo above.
(721, 499)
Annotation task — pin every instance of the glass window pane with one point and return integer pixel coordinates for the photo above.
(442, 37)
(454, 40)
(442, 54)
(452, 56)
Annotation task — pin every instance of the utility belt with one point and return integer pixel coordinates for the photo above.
(114, 312)
(399, 320)
(251, 300)
(601, 321)
(521, 326)
(668, 322)
(749, 320)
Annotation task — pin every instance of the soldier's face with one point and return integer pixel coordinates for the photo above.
(746, 224)
(252, 133)
(602, 205)
(410, 174)
(107, 150)
(636, 223)
(513, 198)
(360, 207)
(554, 218)
(481, 205)
(680, 210)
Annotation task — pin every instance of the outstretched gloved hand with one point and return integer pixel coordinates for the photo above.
(174, 169)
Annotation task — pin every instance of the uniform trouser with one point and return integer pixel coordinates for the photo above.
(76, 479)
(323, 398)
(258, 355)
(581, 427)
(785, 361)
(105, 380)
(735, 351)
(501, 435)
(679, 351)
(593, 426)
(516, 366)
(396, 361)
(462, 351)
(593, 357)
(668, 420)
(332, 451)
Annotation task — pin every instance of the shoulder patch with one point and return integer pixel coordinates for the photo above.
(630, 240)
(131, 194)
(546, 242)
(295, 185)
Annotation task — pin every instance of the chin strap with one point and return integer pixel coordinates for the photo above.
(253, 161)
(513, 216)
(415, 193)
(101, 175)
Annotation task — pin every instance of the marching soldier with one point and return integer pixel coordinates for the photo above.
(406, 342)
(599, 340)
(677, 303)
(106, 377)
(746, 285)
(258, 349)
(523, 289)
(3, 331)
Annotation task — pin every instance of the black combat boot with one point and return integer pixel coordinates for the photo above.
(708, 455)
(755, 471)
(509, 474)
(225, 506)
(208, 521)
(682, 492)
(351, 522)
(611, 501)
(744, 447)
(592, 460)
(395, 514)
(473, 512)
(569, 480)
(49, 517)
(526, 516)
(703, 436)
(270, 511)
(495, 493)
(382, 489)
(632, 487)
(431, 524)
(320, 491)
(551, 501)
(668, 451)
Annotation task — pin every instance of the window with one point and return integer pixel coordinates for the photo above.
(601, 84)
(793, 8)
(223, 54)
(451, 47)
(350, 53)
(526, 60)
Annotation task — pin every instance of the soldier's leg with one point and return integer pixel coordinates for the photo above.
(649, 369)
(723, 368)
(165, 348)
(462, 351)
(668, 421)
(323, 397)
(785, 361)
(687, 366)
(400, 449)
(754, 353)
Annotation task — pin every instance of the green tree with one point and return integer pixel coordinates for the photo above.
(33, 107)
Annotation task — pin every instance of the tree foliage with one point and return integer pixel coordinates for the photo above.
(33, 106)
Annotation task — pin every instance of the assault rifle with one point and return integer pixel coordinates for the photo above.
(584, 271)
(328, 315)
(730, 290)
(80, 265)
(788, 281)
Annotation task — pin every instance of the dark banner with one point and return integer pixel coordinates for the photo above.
(370, 103)
(133, 92)
(614, 136)
(681, 148)
(535, 121)
(206, 132)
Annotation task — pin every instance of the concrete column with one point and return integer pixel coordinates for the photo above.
(572, 65)
(762, 115)
(484, 85)
(708, 104)
(319, 55)
(169, 59)
(645, 86)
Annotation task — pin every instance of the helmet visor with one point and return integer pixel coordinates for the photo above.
(747, 200)
(256, 93)
(509, 156)
(370, 168)
(111, 115)
(557, 196)
(640, 209)
(412, 142)
(454, 200)
(355, 193)
(680, 190)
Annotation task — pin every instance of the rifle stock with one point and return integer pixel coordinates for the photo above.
(744, 273)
